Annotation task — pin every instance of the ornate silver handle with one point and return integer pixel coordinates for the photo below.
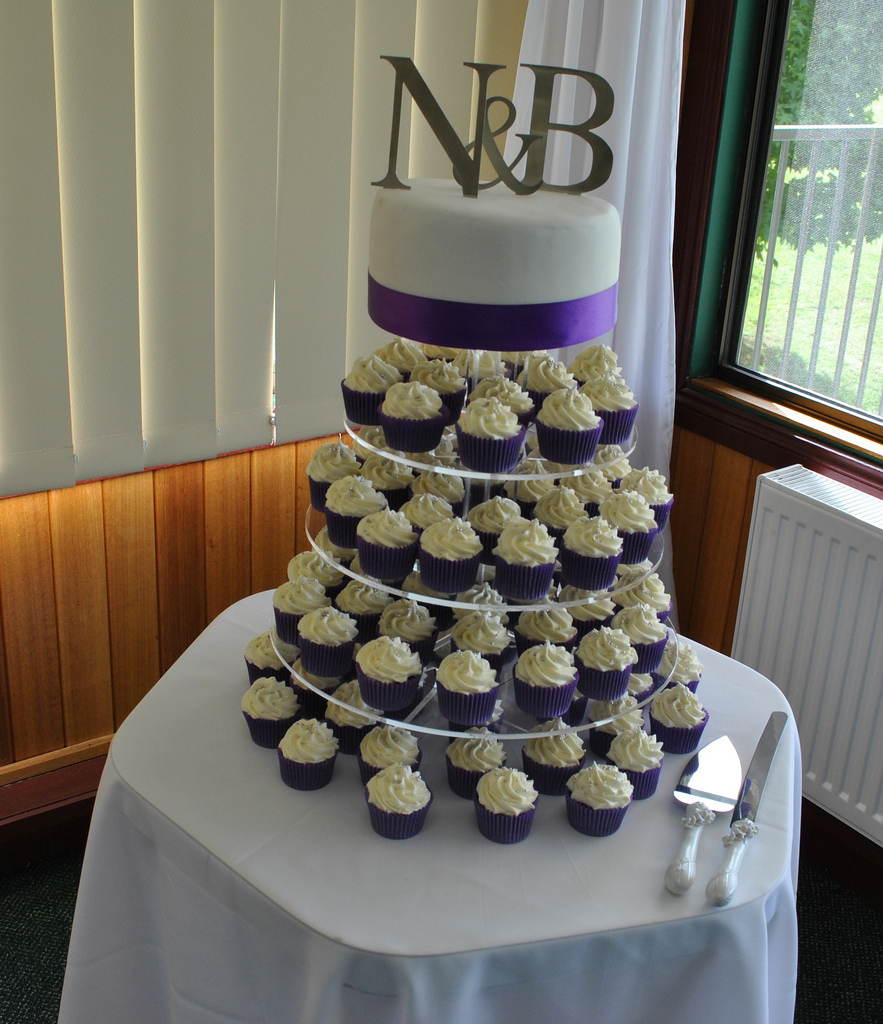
(681, 872)
(720, 889)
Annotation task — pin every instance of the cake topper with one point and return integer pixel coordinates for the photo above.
(466, 159)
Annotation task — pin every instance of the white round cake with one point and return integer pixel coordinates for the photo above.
(499, 272)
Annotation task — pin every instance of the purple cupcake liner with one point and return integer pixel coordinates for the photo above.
(366, 623)
(448, 576)
(395, 496)
(489, 454)
(543, 702)
(256, 672)
(618, 424)
(570, 447)
(348, 736)
(484, 490)
(267, 732)
(678, 741)
(489, 541)
(661, 514)
(386, 563)
(306, 775)
(577, 710)
(522, 582)
(549, 779)
(649, 655)
(462, 781)
(643, 783)
(312, 704)
(591, 821)
(454, 401)
(286, 626)
(318, 490)
(397, 826)
(361, 406)
(599, 742)
(592, 509)
(341, 529)
(587, 572)
(467, 708)
(410, 435)
(600, 685)
(389, 696)
(584, 626)
(503, 828)
(368, 771)
(692, 684)
(327, 660)
(424, 648)
(636, 546)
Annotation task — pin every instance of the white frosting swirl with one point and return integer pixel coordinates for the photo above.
(633, 750)
(606, 649)
(593, 486)
(445, 485)
(677, 707)
(567, 409)
(612, 461)
(412, 401)
(623, 713)
(488, 417)
(546, 374)
(373, 374)
(482, 632)
(402, 353)
(640, 624)
(408, 620)
(312, 565)
(452, 539)
(563, 749)
(680, 661)
(492, 515)
(332, 461)
(635, 587)
(328, 626)
(559, 508)
(601, 786)
(546, 665)
(308, 741)
(649, 483)
(479, 751)
(439, 375)
(269, 698)
(259, 651)
(485, 598)
(387, 744)
(386, 474)
(387, 528)
(526, 543)
(608, 392)
(593, 537)
(509, 392)
(592, 609)
(594, 361)
(506, 791)
(301, 595)
(388, 659)
(466, 672)
(627, 511)
(398, 790)
(351, 695)
(425, 509)
(358, 598)
(552, 624)
(354, 496)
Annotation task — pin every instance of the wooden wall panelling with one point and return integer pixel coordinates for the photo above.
(273, 514)
(730, 626)
(6, 750)
(719, 551)
(76, 521)
(305, 451)
(30, 630)
(180, 558)
(227, 532)
(130, 553)
(692, 462)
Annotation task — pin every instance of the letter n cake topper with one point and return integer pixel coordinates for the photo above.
(466, 158)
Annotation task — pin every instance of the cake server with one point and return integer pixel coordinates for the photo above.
(709, 783)
(720, 889)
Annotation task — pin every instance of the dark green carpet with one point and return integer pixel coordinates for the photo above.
(840, 972)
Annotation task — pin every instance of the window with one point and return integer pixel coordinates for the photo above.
(798, 297)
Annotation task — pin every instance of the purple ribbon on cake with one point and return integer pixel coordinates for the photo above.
(495, 328)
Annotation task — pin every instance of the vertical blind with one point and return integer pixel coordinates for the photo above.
(184, 205)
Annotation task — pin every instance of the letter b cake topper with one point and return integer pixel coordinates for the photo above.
(466, 159)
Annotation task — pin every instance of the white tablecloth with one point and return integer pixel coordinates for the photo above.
(211, 892)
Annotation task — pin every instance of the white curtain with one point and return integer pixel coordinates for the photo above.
(636, 45)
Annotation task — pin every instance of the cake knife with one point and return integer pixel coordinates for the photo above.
(720, 889)
(710, 782)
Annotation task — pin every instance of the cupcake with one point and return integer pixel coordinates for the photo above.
(646, 633)
(261, 658)
(611, 460)
(446, 485)
(592, 611)
(269, 708)
(439, 351)
(543, 376)
(505, 803)
(651, 485)
(678, 719)
(635, 586)
(444, 379)
(389, 673)
(330, 462)
(466, 688)
(591, 487)
(544, 681)
(405, 355)
(510, 393)
(312, 703)
(346, 502)
(639, 757)
(526, 487)
(412, 622)
(387, 545)
(594, 361)
(557, 510)
(551, 758)
(679, 664)
(385, 745)
(605, 658)
(365, 386)
(524, 559)
(489, 436)
(311, 565)
(488, 519)
(590, 551)
(482, 597)
(468, 757)
(545, 625)
(327, 642)
(642, 685)
(416, 589)
(398, 802)
(307, 753)
(568, 430)
(368, 440)
(629, 514)
(483, 633)
(292, 600)
(615, 404)
(345, 720)
(364, 604)
(450, 553)
(615, 717)
(323, 545)
(597, 798)
(391, 478)
(423, 510)
(413, 417)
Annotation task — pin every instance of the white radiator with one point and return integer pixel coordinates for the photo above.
(811, 619)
